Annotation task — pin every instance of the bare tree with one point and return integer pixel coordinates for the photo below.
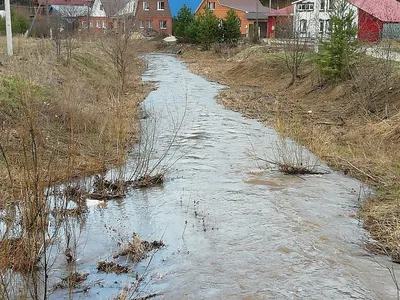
(295, 44)
(117, 43)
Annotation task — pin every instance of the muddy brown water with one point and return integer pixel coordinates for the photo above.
(232, 231)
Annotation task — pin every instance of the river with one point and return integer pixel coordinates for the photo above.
(232, 230)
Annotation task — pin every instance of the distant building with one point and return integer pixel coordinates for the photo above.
(378, 20)
(249, 12)
(154, 15)
(312, 18)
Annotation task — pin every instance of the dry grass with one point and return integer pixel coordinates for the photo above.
(137, 249)
(82, 124)
(60, 119)
(343, 124)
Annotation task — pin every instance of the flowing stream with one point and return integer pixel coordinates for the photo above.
(231, 229)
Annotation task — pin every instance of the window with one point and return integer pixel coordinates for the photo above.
(328, 26)
(322, 5)
(101, 7)
(163, 24)
(149, 24)
(321, 26)
(303, 26)
(104, 24)
(98, 24)
(91, 24)
(305, 6)
(160, 5)
(331, 4)
(146, 5)
(141, 25)
(84, 24)
(211, 5)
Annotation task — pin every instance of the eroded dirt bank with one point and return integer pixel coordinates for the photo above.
(344, 123)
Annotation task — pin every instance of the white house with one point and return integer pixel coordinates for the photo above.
(104, 12)
(312, 17)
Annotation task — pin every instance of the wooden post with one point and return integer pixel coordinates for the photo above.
(8, 28)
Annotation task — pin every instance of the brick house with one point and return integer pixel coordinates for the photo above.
(246, 11)
(154, 15)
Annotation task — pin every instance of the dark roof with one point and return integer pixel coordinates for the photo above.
(253, 16)
(384, 10)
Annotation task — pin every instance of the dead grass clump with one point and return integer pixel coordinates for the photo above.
(71, 281)
(106, 190)
(112, 267)
(147, 181)
(137, 249)
(254, 52)
(388, 129)
(382, 218)
(19, 255)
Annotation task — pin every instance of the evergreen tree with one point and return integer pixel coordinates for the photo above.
(336, 56)
(231, 28)
(184, 26)
(207, 28)
(19, 24)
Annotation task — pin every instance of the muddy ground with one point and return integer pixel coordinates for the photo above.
(343, 123)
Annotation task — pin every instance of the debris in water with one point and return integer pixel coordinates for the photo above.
(137, 249)
(112, 267)
(71, 281)
(147, 181)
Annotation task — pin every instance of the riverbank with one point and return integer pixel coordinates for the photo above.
(64, 115)
(345, 124)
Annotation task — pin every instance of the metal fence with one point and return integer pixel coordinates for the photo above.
(391, 31)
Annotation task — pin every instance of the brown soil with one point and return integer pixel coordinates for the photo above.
(343, 123)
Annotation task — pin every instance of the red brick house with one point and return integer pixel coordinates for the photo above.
(377, 18)
(154, 15)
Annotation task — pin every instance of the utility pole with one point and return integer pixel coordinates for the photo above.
(8, 28)
(47, 18)
(88, 16)
(257, 28)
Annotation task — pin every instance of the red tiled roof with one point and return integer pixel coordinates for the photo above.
(64, 2)
(245, 5)
(384, 10)
(286, 11)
